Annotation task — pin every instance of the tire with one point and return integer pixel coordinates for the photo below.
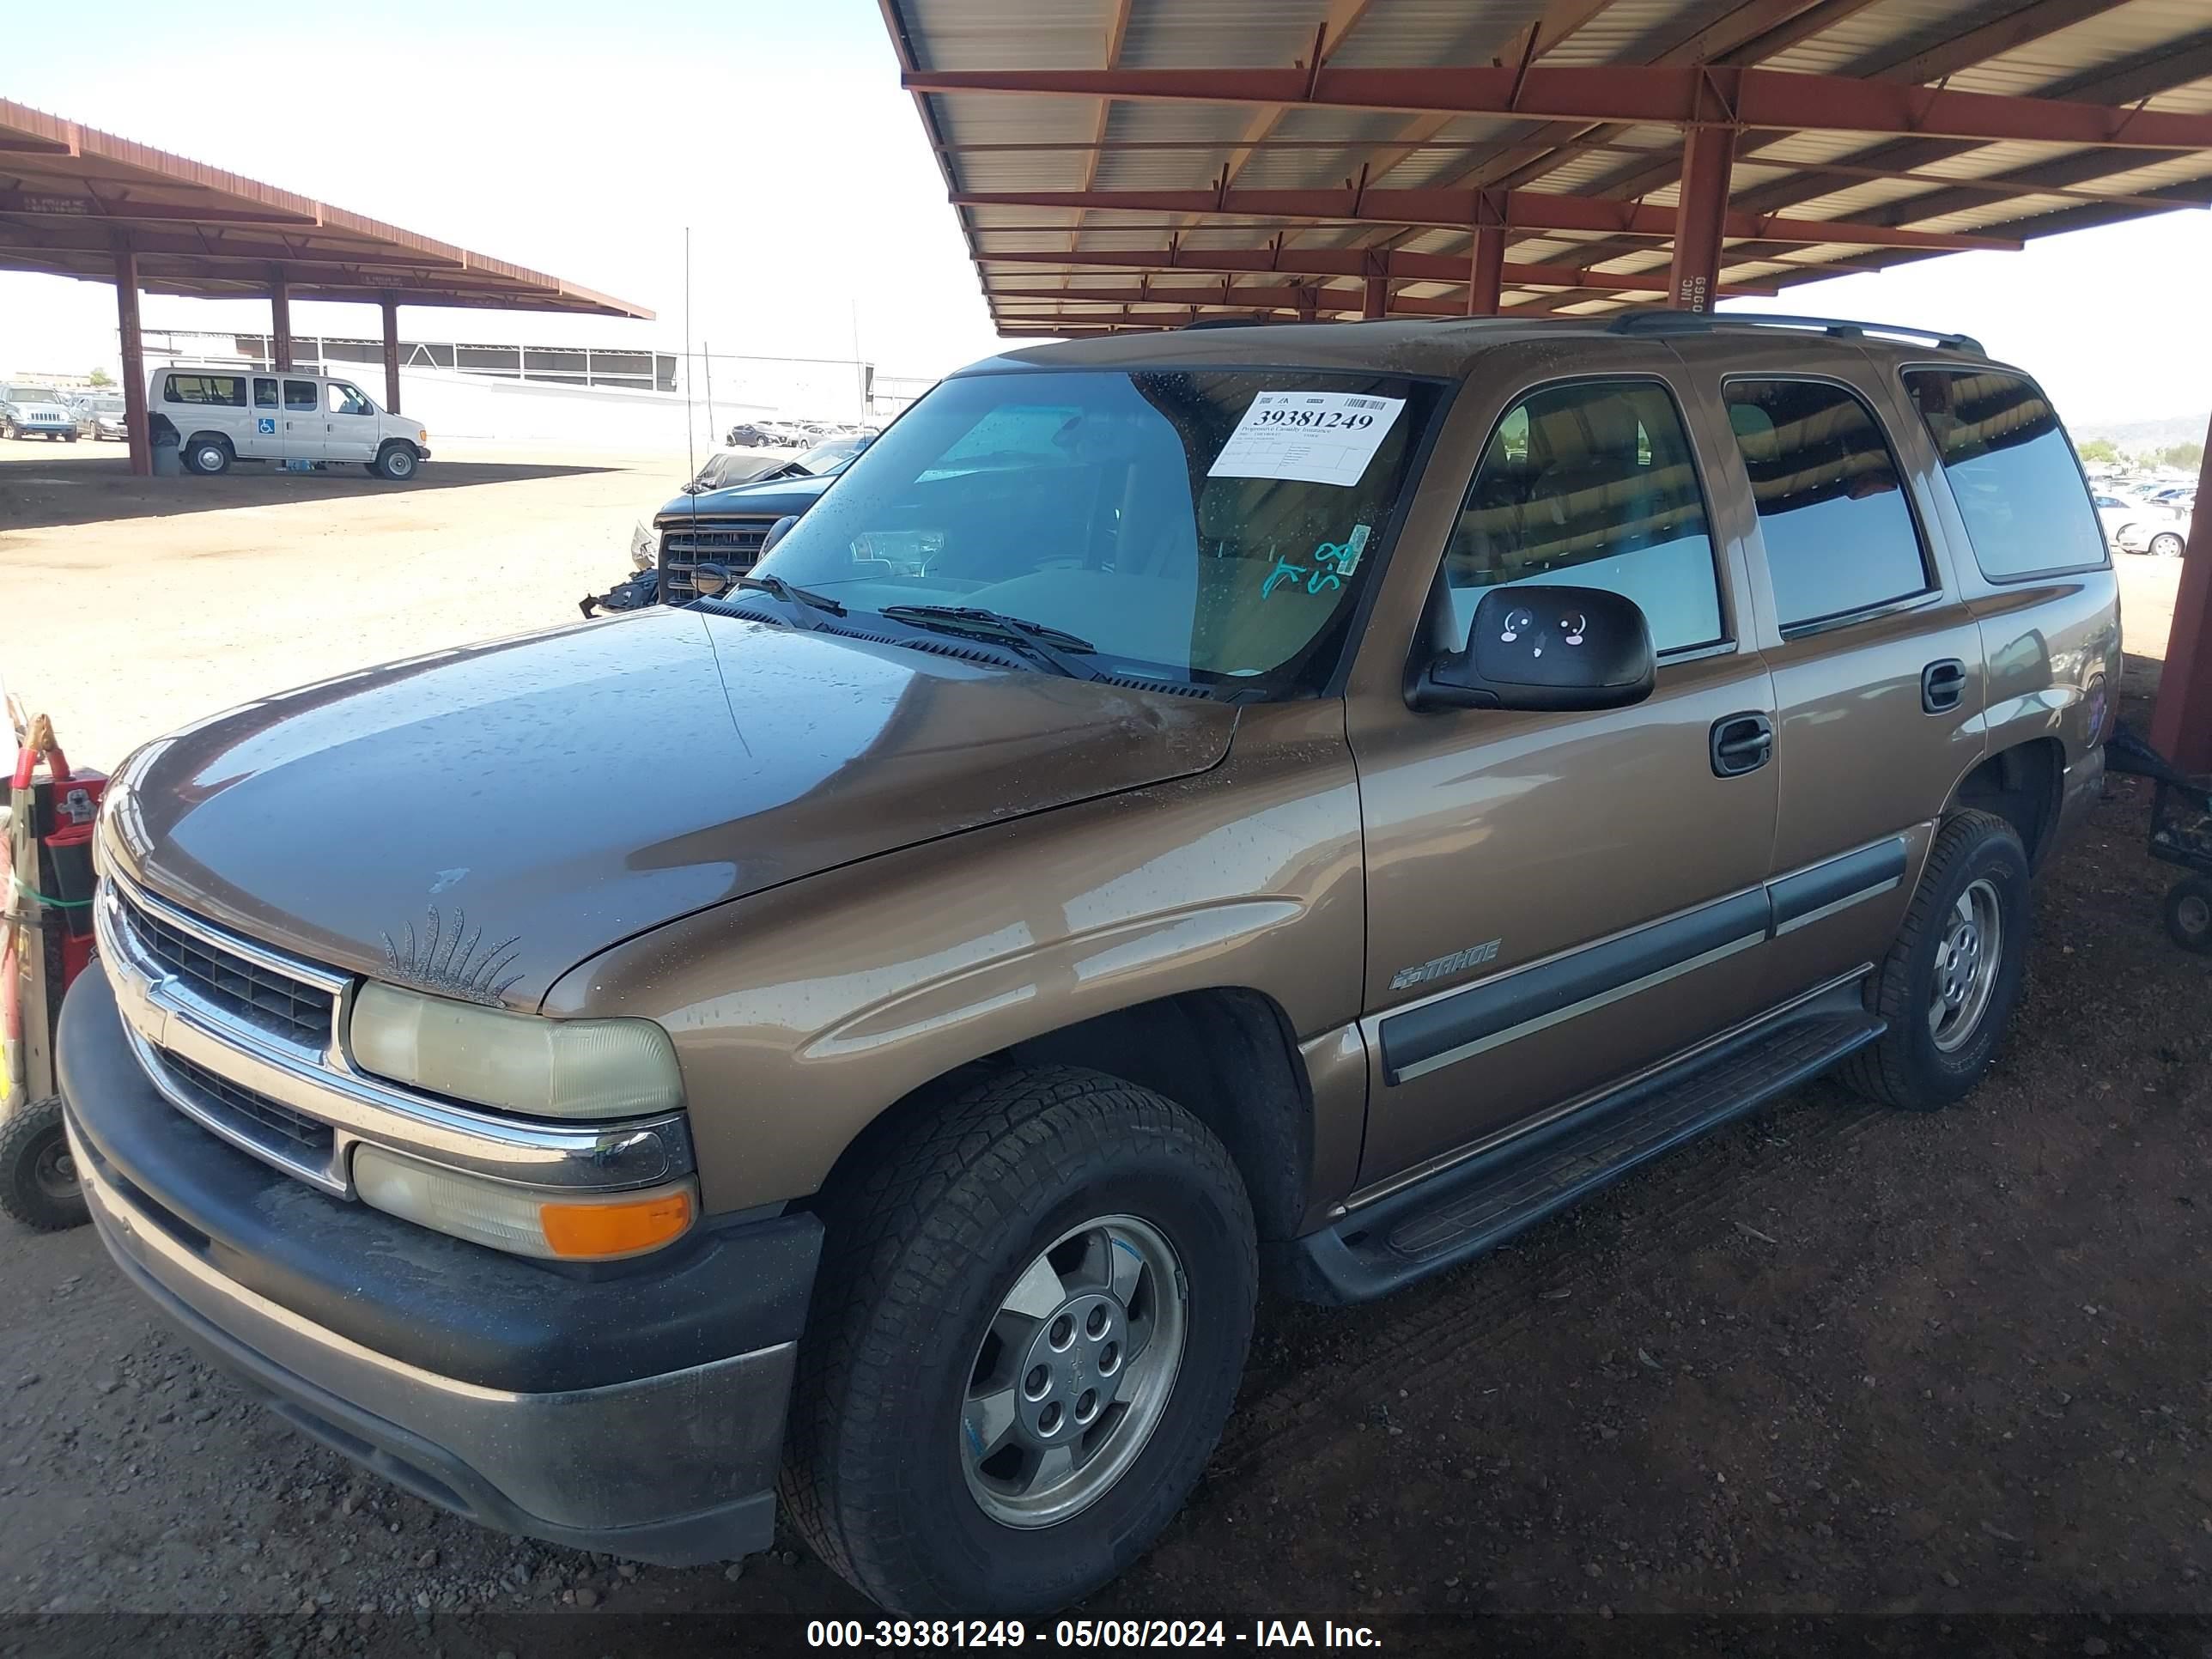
(38, 1179)
(7, 428)
(396, 462)
(2189, 913)
(69, 437)
(207, 456)
(929, 1245)
(1930, 1058)
(2167, 544)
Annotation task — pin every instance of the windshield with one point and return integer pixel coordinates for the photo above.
(1213, 527)
(32, 394)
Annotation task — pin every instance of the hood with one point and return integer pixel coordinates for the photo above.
(547, 797)
(769, 497)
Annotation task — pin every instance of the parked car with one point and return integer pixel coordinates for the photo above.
(101, 414)
(1296, 805)
(747, 435)
(224, 415)
(2134, 525)
(727, 527)
(36, 411)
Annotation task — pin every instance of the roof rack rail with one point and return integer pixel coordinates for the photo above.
(1698, 322)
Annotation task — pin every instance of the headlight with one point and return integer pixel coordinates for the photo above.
(516, 1062)
(523, 1221)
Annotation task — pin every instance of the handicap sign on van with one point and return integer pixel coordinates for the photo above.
(266, 424)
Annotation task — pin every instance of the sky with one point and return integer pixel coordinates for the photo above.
(582, 140)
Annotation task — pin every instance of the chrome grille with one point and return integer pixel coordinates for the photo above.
(252, 1115)
(733, 542)
(292, 1007)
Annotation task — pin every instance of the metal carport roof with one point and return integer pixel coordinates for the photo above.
(1128, 163)
(72, 197)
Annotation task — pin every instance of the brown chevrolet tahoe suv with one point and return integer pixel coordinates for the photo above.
(1184, 812)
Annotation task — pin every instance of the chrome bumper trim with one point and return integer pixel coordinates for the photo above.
(165, 1014)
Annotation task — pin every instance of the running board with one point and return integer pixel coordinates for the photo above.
(1460, 1213)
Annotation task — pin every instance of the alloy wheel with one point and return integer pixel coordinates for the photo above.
(1074, 1373)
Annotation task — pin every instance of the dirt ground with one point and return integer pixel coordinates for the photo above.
(1835, 1360)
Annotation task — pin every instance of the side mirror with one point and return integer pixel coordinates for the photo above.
(778, 531)
(1545, 647)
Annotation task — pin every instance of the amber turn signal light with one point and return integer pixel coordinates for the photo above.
(579, 1232)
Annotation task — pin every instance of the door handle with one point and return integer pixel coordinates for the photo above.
(1942, 685)
(1741, 744)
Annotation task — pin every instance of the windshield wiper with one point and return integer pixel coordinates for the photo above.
(1056, 648)
(790, 594)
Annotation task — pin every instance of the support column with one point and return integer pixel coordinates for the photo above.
(134, 363)
(280, 318)
(1708, 154)
(1485, 270)
(1375, 301)
(2181, 724)
(390, 306)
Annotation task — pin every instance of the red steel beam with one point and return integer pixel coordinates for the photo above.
(388, 306)
(1700, 217)
(1224, 297)
(1460, 209)
(135, 424)
(2181, 724)
(280, 318)
(1397, 264)
(1677, 95)
(1485, 270)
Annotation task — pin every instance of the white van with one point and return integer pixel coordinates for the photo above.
(223, 414)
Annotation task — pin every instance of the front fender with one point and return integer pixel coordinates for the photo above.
(801, 1013)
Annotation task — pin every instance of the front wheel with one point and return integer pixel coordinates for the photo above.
(1033, 1313)
(1949, 982)
(38, 1173)
(2167, 544)
(396, 462)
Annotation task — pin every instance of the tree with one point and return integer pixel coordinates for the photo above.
(100, 377)
(2100, 449)
(2187, 456)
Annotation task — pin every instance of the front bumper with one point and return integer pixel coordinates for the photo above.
(637, 1413)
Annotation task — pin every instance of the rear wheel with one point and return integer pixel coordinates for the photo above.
(2167, 544)
(38, 1173)
(208, 456)
(2189, 913)
(1027, 1334)
(1949, 983)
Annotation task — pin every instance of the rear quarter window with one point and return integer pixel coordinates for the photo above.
(1839, 535)
(2012, 470)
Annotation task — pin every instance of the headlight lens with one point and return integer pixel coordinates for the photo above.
(586, 1069)
(523, 1221)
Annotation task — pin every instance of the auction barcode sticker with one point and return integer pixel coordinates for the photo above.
(1316, 437)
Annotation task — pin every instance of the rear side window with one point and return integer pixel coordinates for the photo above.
(2012, 472)
(264, 393)
(1839, 535)
(301, 398)
(226, 389)
(1592, 484)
